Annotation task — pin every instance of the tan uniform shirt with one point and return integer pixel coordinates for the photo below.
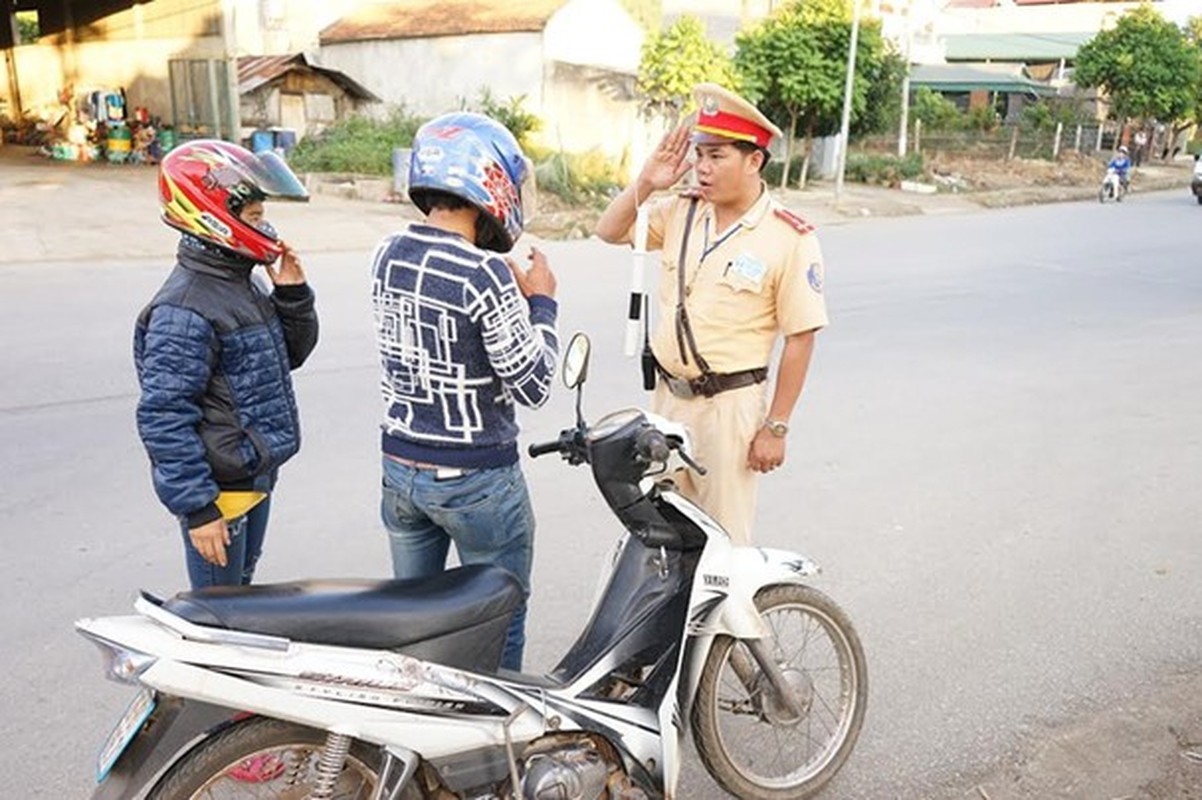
(745, 285)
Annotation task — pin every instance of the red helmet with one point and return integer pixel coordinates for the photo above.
(204, 184)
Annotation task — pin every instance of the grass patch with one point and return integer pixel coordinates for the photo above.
(358, 145)
(879, 169)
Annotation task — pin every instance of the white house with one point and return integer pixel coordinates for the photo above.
(573, 61)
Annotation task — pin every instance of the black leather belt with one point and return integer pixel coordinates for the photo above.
(711, 383)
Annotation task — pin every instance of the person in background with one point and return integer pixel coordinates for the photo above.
(214, 350)
(464, 335)
(1140, 142)
(739, 271)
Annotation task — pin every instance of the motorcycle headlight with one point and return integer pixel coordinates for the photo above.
(120, 663)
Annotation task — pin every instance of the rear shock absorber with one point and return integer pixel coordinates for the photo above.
(329, 766)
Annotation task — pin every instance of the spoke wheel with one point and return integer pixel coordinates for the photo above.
(747, 738)
(265, 759)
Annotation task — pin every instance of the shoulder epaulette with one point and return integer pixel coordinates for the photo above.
(793, 221)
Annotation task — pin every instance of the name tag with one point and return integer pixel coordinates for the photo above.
(749, 267)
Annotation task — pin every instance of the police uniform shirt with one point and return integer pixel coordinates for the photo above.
(743, 285)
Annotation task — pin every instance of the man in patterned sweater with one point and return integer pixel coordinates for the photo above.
(464, 334)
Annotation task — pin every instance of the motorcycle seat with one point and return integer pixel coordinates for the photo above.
(458, 617)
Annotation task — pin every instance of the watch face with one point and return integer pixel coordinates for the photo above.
(777, 428)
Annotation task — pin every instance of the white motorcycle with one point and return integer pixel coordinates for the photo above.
(390, 689)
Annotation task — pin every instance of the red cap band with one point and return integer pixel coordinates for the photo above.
(723, 123)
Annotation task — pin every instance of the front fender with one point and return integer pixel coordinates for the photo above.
(171, 730)
(723, 598)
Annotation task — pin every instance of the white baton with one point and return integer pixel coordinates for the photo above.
(634, 314)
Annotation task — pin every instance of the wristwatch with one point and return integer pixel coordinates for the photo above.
(777, 428)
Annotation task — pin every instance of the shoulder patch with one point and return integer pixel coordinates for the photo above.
(793, 221)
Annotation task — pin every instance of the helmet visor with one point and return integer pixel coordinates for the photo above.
(274, 178)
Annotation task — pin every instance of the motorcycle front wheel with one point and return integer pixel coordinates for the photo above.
(263, 758)
(748, 740)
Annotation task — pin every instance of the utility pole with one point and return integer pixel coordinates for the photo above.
(902, 133)
(14, 83)
(229, 29)
(845, 127)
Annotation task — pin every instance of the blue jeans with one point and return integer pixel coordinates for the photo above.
(486, 513)
(246, 545)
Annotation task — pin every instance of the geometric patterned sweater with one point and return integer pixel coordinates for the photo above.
(459, 346)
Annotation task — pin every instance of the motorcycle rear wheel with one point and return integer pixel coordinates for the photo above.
(264, 758)
(745, 738)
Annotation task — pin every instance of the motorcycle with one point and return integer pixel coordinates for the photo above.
(391, 689)
(1112, 188)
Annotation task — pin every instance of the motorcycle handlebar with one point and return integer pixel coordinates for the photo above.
(536, 450)
(652, 445)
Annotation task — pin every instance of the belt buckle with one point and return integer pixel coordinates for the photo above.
(680, 387)
(449, 473)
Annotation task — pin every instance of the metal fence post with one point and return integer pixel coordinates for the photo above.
(1077, 141)
(1056, 144)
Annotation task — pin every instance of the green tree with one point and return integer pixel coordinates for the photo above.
(677, 59)
(1145, 65)
(794, 66)
(27, 27)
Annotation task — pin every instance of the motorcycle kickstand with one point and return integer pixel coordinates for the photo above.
(389, 777)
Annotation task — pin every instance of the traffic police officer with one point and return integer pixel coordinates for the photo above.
(738, 269)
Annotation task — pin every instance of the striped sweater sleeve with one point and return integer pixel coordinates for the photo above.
(520, 336)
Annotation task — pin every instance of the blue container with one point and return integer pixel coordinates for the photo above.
(285, 139)
(262, 141)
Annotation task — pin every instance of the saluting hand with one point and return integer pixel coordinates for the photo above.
(667, 163)
(538, 279)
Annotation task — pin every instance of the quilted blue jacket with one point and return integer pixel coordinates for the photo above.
(213, 353)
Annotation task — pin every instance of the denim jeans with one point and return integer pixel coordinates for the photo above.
(246, 545)
(486, 513)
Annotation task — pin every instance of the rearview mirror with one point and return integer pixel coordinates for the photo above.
(575, 361)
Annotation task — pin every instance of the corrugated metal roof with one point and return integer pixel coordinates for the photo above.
(255, 71)
(1014, 46)
(408, 19)
(973, 77)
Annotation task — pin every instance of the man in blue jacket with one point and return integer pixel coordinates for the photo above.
(464, 335)
(213, 352)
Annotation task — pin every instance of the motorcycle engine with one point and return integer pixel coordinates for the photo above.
(576, 772)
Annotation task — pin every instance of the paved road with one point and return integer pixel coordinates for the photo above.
(996, 462)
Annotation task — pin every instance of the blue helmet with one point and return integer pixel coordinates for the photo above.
(476, 159)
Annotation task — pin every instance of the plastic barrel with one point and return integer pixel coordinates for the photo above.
(261, 141)
(119, 143)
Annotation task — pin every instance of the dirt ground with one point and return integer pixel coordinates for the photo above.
(1147, 746)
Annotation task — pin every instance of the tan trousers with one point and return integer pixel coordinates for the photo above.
(721, 429)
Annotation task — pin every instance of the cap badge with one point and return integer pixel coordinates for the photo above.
(709, 106)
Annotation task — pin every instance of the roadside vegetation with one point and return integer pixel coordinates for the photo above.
(793, 65)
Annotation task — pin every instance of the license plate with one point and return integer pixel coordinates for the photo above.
(128, 728)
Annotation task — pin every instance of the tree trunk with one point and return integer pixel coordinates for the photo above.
(784, 172)
(809, 154)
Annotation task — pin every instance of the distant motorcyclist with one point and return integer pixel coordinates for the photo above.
(1121, 164)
